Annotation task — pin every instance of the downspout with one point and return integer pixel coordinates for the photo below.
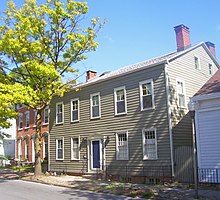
(169, 116)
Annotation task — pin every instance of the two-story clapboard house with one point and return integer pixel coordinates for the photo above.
(132, 123)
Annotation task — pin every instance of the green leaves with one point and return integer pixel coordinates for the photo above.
(39, 44)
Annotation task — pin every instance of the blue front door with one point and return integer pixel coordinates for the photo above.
(96, 157)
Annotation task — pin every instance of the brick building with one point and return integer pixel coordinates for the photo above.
(25, 134)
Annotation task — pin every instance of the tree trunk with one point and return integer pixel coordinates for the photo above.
(38, 169)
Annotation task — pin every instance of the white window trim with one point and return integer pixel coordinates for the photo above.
(115, 98)
(57, 148)
(199, 67)
(72, 148)
(91, 95)
(27, 112)
(141, 94)
(48, 114)
(71, 117)
(143, 143)
(184, 92)
(20, 114)
(121, 132)
(62, 112)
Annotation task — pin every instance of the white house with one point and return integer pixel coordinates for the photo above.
(207, 120)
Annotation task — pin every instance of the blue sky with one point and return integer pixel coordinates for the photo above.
(143, 29)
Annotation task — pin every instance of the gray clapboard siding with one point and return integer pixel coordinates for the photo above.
(109, 124)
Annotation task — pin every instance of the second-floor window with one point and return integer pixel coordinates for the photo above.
(120, 100)
(35, 118)
(146, 94)
(20, 121)
(181, 96)
(59, 113)
(46, 115)
(74, 110)
(27, 119)
(95, 110)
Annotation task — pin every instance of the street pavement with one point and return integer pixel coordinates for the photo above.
(23, 190)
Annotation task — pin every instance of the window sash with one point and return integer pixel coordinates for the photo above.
(120, 100)
(20, 121)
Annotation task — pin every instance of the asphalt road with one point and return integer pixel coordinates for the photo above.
(22, 190)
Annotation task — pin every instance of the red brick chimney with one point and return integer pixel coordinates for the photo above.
(182, 37)
(90, 74)
(211, 47)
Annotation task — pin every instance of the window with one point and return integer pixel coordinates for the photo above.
(75, 148)
(46, 115)
(59, 149)
(210, 69)
(26, 149)
(59, 113)
(27, 119)
(197, 62)
(146, 94)
(95, 106)
(35, 118)
(149, 144)
(45, 148)
(122, 146)
(120, 101)
(74, 110)
(19, 106)
(19, 149)
(181, 96)
(20, 121)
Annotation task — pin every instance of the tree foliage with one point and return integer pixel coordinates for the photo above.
(39, 44)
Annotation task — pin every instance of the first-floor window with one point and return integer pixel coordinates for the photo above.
(19, 149)
(122, 146)
(45, 152)
(75, 148)
(27, 148)
(59, 149)
(149, 144)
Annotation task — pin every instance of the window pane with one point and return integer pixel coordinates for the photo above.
(122, 147)
(75, 105)
(120, 95)
(147, 101)
(95, 111)
(120, 107)
(60, 154)
(95, 100)
(74, 115)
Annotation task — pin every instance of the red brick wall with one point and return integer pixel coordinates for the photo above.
(28, 132)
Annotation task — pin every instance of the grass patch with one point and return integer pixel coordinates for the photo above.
(23, 168)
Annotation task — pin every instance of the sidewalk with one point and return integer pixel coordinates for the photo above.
(159, 192)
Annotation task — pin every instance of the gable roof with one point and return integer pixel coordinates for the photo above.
(211, 86)
(145, 64)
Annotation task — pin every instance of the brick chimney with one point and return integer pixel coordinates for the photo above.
(90, 74)
(211, 47)
(182, 37)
